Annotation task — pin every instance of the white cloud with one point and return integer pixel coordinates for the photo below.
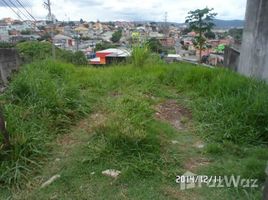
(108, 10)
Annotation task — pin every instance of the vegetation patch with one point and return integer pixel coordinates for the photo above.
(42, 100)
(227, 113)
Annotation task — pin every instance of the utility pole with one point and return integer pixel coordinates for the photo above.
(48, 5)
(77, 43)
(77, 39)
(165, 24)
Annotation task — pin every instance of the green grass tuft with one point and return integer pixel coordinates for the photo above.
(43, 100)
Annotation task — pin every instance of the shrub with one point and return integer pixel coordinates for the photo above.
(6, 45)
(104, 45)
(140, 54)
(79, 58)
(33, 50)
(116, 36)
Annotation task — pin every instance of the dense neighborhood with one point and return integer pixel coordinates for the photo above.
(173, 41)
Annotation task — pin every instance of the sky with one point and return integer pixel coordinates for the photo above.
(126, 10)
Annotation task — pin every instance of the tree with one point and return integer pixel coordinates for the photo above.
(104, 45)
(210, 35)
(236, 33)
(26, 32)
(116, 36)
(185, 31)
(201, 21)
(155, 45)
(79, 58)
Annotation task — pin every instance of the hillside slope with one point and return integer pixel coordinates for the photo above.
(152, 124)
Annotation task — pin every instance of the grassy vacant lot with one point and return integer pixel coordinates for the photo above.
(151, 123)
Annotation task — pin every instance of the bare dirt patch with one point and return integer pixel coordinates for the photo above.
(68, 141)
(95, 120)
(193, 163)
(115, 94)
(170, 111)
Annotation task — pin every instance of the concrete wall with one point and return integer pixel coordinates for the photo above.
(9, 62)
(254, 53)
(231, 58)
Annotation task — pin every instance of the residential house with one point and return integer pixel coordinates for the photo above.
(107, 36)
(63, 41)
(41, 23)
(98, 26)
(59, 29)
(109, 55)
(4, 36)
(8, 20)
(167, 42)
(82, 31)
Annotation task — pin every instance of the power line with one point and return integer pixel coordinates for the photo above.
(12, 9)
(26, 10)
(27, 4)
(18, 9)
(7, 4)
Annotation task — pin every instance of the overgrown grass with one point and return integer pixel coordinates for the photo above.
(227, 105)
(229, 112)
(42, 100)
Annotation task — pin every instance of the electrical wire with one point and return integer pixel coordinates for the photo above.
(7, 4)
(14, 6)
(26, 10)
(12, 9)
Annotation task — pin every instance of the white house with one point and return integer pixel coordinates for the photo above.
(63, 41)
(4, 33)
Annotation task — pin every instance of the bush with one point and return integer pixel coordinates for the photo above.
(33, 50)
(104, 45)
(6, 45)
(79, 58)
(140, 54)
(155, 45)
(116, 36)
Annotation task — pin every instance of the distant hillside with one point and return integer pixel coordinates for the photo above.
(228, 23)
(219, 23)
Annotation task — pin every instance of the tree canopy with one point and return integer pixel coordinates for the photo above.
(200, 21)
(155, 45)
(210, 35)
(116, 36)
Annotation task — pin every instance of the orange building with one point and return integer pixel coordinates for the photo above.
(106, 56)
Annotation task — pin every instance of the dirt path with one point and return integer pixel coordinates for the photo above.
(69, 149)
(63, 150)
